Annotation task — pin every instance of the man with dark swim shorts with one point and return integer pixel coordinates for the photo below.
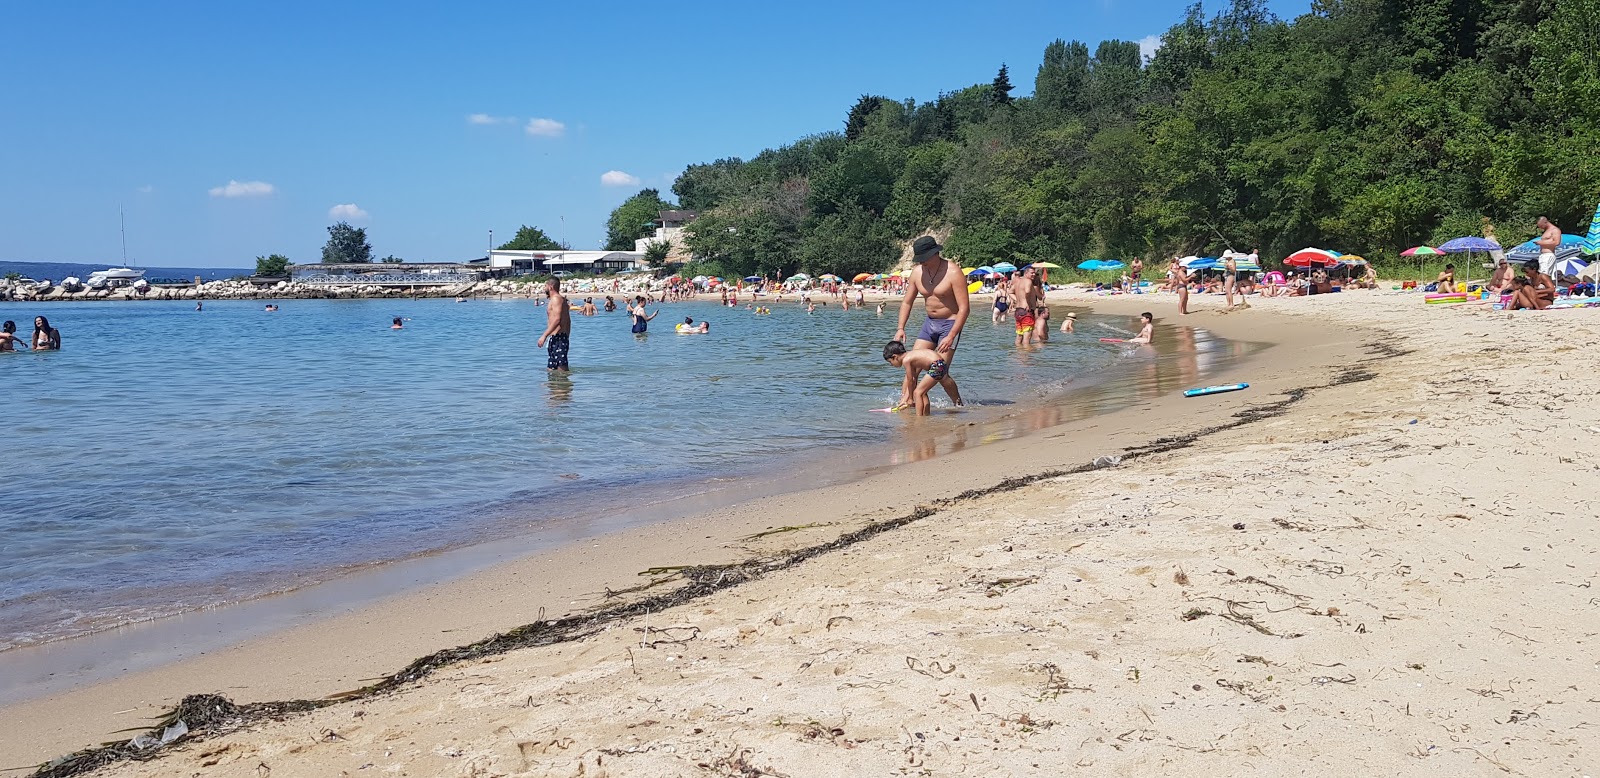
(944, 293)
(558, 329)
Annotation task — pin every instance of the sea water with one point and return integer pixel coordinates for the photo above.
(169, 459)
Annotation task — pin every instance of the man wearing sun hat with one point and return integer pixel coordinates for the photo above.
(944, 292)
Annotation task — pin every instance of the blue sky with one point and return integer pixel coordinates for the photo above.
(229, 130)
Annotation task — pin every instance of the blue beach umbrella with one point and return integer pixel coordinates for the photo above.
(1005, 267)
(1569, 267)
(1467, 244)
(1089, 264)
(752, 279)
(1571, 246)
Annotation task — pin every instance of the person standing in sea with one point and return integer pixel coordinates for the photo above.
(1025, 300)
(559, 327)
(944, 293)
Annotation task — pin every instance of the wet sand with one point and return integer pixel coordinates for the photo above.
(1393, 600)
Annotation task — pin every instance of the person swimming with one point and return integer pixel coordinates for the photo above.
(398, 324)
(8, 337)
(45, 337)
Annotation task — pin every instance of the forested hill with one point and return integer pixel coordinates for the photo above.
(1365, 126)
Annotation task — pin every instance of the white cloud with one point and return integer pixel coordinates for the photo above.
(545, 128)
(483, 118)
(1148, 45)
(618, 178)
(346, 212)
(243, 189)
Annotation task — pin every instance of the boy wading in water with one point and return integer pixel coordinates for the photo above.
(558, 329)
(935, 369)
(944, 292)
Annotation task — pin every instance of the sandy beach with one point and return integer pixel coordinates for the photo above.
(1378, 558)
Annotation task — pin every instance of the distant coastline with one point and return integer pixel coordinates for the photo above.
(55, 271)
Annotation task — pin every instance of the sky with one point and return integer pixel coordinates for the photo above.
(225, 131)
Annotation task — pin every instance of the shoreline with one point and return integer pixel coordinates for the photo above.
(1085, 390)
(702, 539)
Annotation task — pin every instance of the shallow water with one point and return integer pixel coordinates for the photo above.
(169, 459)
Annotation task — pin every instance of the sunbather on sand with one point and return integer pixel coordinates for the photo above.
(1524, 298)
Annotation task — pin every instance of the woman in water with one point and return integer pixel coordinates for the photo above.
(45, 337)
(641, 322)
(398, 324)
(8, 337)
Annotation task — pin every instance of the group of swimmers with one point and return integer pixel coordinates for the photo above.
(45, 337)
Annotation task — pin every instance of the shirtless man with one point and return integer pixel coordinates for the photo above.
(944, 294)
(1549, 240)
(1500, 280)
(559, 315)
(1134, 271)
(1025, 301)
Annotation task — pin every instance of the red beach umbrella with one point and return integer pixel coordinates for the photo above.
(1307, 257)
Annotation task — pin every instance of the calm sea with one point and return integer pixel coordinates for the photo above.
(169, 459)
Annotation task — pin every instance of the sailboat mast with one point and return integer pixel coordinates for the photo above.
(124, 219)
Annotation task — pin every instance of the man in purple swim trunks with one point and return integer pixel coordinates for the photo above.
(944, 293)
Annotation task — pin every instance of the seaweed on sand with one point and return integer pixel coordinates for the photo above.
(208, 716)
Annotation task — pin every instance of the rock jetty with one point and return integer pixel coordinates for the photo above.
(281, 290)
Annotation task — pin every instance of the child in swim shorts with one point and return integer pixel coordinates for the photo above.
(933, 369)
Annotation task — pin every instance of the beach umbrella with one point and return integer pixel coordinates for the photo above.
(1466, 245)
(1089, 264)
(1005, 267)
(1569, 267)
(1591, 242)
(1051, 265)
(1307, 257)
(698, 279)
(881, 277)
(1570, 246)
(860, 277)
(979, 272)
(1420, 251)
(752, 279)
(1189, 260)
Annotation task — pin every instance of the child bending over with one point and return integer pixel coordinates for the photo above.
(931, 364)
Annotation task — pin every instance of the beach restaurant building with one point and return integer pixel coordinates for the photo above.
(506, 262)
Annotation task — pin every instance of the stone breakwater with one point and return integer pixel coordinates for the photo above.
(282, 290)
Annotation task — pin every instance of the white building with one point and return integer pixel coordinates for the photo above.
(669, 229)
(541, 262)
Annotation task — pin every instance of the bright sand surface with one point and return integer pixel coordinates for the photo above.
(1400, 598)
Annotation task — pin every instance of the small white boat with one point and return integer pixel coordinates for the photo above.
(115, 277)
(71, 284)
(42, 285)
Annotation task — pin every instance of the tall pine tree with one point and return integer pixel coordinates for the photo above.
(1000, 90)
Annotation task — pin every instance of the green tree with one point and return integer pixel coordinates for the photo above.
(655, 253)
(273, 265)
(634, 219)
(1000, 89)
(856, 122)
(847, 242)
(1062, 76)
(392, 260)
(346, 244)
(531, 239)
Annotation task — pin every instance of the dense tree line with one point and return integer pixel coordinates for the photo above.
(1364, 126)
